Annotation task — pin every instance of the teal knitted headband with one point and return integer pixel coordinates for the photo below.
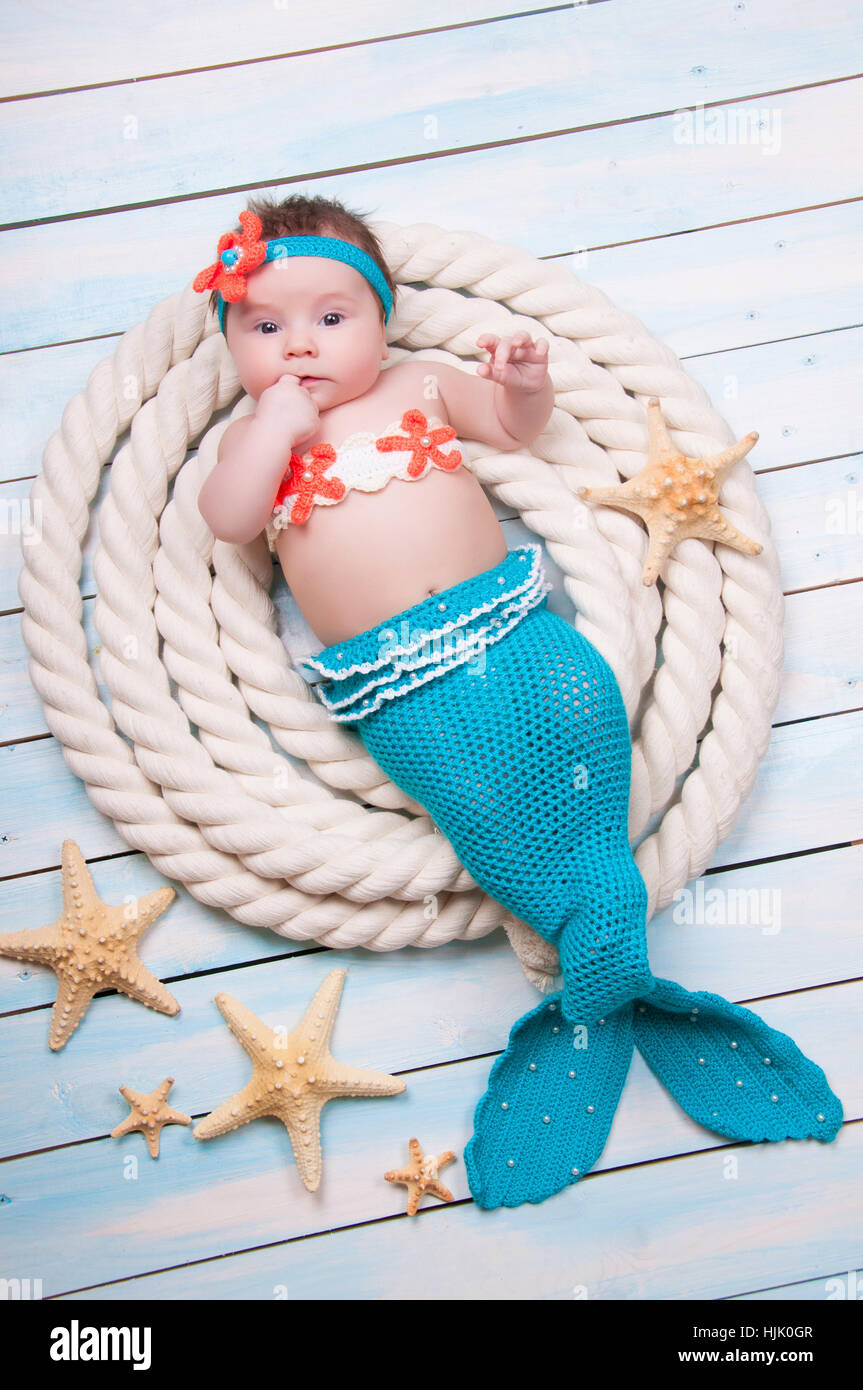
(239, 255)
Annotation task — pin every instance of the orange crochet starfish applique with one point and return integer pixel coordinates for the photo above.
(306, 481)
(423, 443)
(238, 253)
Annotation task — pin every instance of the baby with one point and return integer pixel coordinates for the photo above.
(308, 338)
(513, 733)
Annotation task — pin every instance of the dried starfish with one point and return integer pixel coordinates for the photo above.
(422, 1175)
(92, 946)
(677, 496)
(294, 1077)
(149, 1114)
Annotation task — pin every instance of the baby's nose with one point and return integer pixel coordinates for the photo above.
(298, 340)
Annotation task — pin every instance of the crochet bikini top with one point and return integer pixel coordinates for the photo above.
(365, 463)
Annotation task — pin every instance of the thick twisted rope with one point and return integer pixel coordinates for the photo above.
(279, 836)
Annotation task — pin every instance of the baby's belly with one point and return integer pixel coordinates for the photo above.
(376, 553)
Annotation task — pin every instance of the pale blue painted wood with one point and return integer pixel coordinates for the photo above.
(818, 807)
(739, 285)
(693, 1227)
(712, 290)
(211, 1283)
(407, 99)
(34, 390)
(618, 183)
(763, 928)
(49, 49)
(842, 1286)
(823, 666)
(805, 520)
(654, 1231)
(402, 99)
(607, 1244)
(38, 787)
(791, 393)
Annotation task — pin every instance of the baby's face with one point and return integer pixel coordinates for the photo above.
(312, 318)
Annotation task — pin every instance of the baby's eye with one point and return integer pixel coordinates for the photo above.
(333, 314)
(268, 326)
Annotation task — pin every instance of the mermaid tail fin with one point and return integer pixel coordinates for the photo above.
(551, 1098)
(730, 1070)
(552, 1095)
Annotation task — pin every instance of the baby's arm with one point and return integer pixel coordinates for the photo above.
(236, 501)
(509, 402)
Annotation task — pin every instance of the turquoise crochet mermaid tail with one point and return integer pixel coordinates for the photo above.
(521, 754)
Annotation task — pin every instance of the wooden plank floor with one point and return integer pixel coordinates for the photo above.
(129, 143)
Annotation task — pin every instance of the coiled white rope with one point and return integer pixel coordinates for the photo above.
(286, 841)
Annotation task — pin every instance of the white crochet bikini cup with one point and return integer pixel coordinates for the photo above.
(407, 448)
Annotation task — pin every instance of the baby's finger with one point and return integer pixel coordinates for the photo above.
(535, 351)
(501, 354)
(522, 346)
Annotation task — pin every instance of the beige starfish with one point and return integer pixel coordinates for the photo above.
(149, 1113)
(92, 946)
(294, 1077)
(422, 1175)
(677, 496)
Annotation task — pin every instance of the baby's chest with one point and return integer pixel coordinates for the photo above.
(408, 447)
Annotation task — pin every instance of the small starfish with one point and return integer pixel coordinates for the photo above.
(677, 496)
(294, 1077)
(149, 1113)
(422, 1175)
(92, 946)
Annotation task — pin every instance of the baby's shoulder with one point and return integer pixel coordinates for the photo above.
(430, 385)
(423, 372)
(233, 433)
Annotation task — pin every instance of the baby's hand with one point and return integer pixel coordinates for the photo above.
(289, 408)
(517, 361)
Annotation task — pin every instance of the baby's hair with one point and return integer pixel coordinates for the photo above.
(301, 216)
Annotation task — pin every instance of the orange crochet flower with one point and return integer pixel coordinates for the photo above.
(238, 254)
(306, 481)
(422, 442)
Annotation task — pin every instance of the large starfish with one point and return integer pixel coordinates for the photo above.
(677, 496)
(422, 1175)
(149, 1113)
(92, 946)
(294, 1077)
